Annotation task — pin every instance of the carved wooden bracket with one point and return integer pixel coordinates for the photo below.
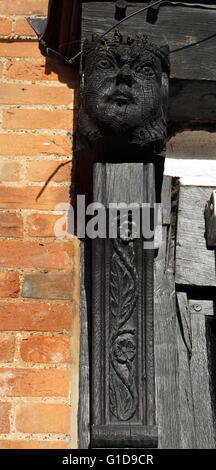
(123, 379)
(123, 117)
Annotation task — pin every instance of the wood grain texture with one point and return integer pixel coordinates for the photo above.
(202, 307)
(185, 320)
(196, 144)
(84, 380)
(203, 413)
(166, 351)
(124, 436)
(186, 406)
(192, 44)
(166, 200)
(195, 264)
(192, 99)
(119, 186)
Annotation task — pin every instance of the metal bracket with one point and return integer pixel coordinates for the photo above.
(210, 218)
(121, 7)
(38, 25)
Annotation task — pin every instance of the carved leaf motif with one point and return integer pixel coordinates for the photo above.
(115, 288)
(123, 296)
(123, 399)
(121, 289)
(127, 294)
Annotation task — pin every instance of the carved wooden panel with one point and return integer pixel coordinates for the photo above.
(123, 388)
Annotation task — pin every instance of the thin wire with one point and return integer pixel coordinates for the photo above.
(117, 24)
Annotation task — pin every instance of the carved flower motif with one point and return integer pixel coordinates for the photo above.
(124, 351)
(125, 224)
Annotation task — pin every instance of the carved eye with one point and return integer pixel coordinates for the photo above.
(104, 64)
(148, 69)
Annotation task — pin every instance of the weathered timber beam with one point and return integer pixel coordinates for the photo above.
(166, 358)
(190, 33)
(193, 69)
(203, 412)
(195, 264)
(192, 100)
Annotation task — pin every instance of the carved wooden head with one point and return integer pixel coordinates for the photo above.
(125, 90)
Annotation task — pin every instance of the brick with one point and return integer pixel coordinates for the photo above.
(29, 7)
(21, 93)
(7, 346)
(19, 49)
(43, 418)
(35, 317)
(22, 28)
(34, 382)
(51, 285)
(34, 254)
(4, 418)
(41, 70)
(30, 197)
(42, 170)
(27, 144)
(47, 349)
(37, 119)
(9, 171)
(42, 225)
(5, 27)
(18, 444)
(11, 224)
(9, 285)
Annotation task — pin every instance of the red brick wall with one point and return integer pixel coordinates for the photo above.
(39, 273)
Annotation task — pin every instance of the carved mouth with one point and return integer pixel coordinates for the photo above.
(122, 98)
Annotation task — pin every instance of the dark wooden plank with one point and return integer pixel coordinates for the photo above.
(84, 383)
(97, 382)
(124, 436)
(119, 186)
(184, 341)
(166, 351)
(203, 413)
(123, 395)
(184, 29)
(195, 264)
(192, 100)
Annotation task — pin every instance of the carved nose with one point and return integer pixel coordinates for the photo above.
(124, 76)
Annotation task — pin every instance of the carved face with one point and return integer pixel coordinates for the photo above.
(122, 92)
